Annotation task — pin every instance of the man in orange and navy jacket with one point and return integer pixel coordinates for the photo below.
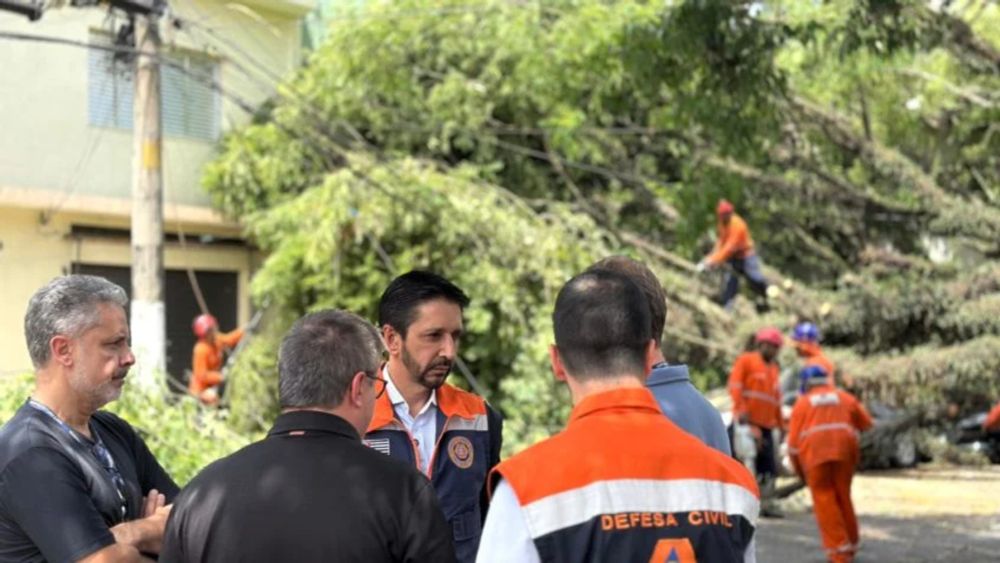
(209, 353)
(452, 436)
(824, 447)
(621, 482)
(755, 388)
(735, 247)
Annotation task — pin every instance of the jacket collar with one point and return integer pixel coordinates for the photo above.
(312, 422)
(668, 374)
(451, 401)
(810, 349)
(624, 399)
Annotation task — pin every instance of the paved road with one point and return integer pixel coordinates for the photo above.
(923, 515)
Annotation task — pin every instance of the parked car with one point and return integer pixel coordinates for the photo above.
(892, 442)
(968, 433)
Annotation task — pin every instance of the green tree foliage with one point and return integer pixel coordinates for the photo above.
(183, 435)
(507, 145)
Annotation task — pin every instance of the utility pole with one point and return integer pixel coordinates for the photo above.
(148, 326)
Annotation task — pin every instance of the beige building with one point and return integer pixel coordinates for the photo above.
(66, 154)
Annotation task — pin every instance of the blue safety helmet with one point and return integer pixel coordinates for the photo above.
(808, 373)
(805, 332)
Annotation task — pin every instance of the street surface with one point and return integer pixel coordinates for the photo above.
(927, 514)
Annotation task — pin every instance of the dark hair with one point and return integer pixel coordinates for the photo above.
(643, 277)
(397, 307)
(601, 324)
(320, 355)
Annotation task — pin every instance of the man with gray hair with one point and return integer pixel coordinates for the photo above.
(311, 490)
(77, 483)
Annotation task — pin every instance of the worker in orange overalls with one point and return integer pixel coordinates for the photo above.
(755, 387)
(824, 447)
(992, 422)
(206, 374)
(621, 483)
(735, 247)
(806, 339)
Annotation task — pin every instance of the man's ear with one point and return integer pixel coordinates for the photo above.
(651, 355)
(355, 393)
(393, 340)
(558, 369)
(61, 350)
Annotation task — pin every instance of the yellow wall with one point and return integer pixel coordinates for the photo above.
(32, 253)
(57, 170)
(48, 143)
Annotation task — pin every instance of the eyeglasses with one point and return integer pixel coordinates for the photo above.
(379, 384)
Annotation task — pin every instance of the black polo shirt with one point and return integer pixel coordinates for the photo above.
(57, 502)
(310, 491)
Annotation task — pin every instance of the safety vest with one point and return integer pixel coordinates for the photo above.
(755, 387)
(825, 425)
(460, 462)
(623, 483)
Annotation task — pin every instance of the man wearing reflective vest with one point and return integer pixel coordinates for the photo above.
(824, 447)
(621, 482)
(451, 435)
(755, 387)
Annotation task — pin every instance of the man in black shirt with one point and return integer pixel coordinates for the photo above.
(311, 491)
(78, 484)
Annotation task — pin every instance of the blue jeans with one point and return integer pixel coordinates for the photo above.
(749, 268)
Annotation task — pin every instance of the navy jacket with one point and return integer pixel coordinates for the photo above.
(467, 448)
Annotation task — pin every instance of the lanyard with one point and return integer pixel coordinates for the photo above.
(659, 365)
(97, 449)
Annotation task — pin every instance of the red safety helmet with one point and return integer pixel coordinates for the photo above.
(202, 324)
(770, 335)
(724, 207)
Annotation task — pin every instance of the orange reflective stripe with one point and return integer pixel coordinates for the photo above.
(645, 446)
(453, 401)
(384, 415)
(766, 397)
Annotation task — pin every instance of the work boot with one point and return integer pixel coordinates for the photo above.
(768, 502)
(769, 509)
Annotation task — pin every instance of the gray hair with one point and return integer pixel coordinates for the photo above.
(66, 305)
(320, 355)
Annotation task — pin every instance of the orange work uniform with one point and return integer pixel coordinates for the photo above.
(755, 387)
(623, 483)
(207, 361)
(814, 356)
(734, 241)
(992, 421)
(823, 443)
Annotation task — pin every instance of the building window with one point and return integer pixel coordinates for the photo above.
(190, 106)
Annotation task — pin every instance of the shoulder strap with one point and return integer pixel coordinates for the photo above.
(101, 489)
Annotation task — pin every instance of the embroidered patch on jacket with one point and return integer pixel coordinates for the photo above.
(460, 452)
(380, 444)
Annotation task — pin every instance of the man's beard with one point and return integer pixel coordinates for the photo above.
(429, 376)
(101, 394)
